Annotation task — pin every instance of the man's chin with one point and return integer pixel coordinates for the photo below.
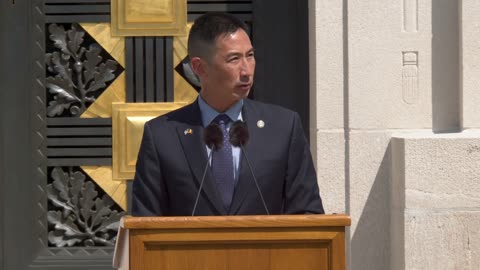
(241, 94)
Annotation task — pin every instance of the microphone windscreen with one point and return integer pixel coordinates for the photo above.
(239, 133)
(213, 136)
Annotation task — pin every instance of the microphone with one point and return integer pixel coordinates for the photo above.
(239, 137)
(213, 138)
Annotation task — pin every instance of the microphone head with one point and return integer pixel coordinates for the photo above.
(213, 136)
(239, 133)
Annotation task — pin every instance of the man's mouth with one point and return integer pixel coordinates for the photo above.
(245, 85)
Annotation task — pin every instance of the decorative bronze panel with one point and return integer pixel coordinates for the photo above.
(77, 73)
(150, 69)
(76, 11)
(77, 142)
(79, 215)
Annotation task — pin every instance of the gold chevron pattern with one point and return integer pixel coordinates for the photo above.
(116, 93)
(184, 92)
(115, 46)
(101, 32)
(102, 108)
(102, 175)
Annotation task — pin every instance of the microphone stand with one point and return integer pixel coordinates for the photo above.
(239, 137)
(254, 179)
(201, 183)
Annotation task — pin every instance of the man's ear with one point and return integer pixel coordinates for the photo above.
(198, 66)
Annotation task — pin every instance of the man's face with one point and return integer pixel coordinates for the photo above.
(228, 73)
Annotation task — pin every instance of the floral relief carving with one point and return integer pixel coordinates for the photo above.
(79, 217)
(77, 72)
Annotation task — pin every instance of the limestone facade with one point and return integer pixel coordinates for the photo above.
(395, 128)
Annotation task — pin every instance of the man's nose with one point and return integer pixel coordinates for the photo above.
(246, 68)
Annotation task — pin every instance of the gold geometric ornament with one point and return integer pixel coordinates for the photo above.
(102, 34)
(184, 92)
(102, 108)
(128, 121)
(116, 91)
(102, 175)
(148, 17)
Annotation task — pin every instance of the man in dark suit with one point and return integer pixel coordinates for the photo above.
(173, 155)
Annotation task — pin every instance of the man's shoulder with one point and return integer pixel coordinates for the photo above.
(267, 109)
(187, 114)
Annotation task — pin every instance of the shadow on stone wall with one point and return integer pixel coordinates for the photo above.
(446, 115)
(370, 244)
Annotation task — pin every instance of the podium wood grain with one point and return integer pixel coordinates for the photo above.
(237, 242)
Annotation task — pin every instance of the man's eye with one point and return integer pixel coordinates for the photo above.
(233, 59)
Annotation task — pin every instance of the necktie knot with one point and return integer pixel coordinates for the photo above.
(222, 119)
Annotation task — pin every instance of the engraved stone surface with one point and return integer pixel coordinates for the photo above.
(410, 77)
(409, 65)
(375, 45)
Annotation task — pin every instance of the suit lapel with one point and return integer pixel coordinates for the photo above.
(191, 138)
(246, 183)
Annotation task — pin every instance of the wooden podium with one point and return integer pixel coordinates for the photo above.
(299, 242)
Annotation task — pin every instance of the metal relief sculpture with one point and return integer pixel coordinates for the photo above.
(77, 221)
(77, 73)
(79, 217)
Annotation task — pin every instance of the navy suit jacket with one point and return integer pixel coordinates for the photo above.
(172, 160)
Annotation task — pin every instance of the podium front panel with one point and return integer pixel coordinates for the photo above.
(238, 248)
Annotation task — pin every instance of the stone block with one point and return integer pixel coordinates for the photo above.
(438, 240)
(330, 153)
(326, 64)
(437, 171)
(389, 64)
(435, 211)
(369, 199)
(470, 59)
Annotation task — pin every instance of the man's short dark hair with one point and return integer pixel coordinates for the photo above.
(207, 28)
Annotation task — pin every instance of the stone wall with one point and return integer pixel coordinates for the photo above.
(394, 110)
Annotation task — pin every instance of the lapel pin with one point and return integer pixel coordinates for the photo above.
(188, 131)
(260, 124)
